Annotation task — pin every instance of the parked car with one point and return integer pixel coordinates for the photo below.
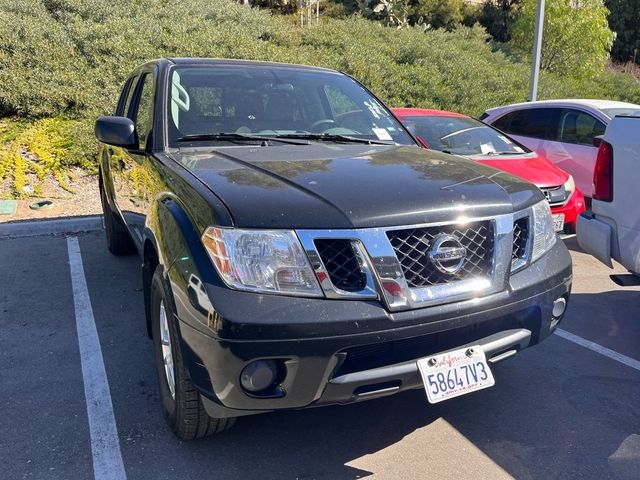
(611, 229)
(339, 261)
(561, 130)
(462, 135)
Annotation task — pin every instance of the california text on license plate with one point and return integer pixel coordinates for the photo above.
(558, 222)
(448, 375)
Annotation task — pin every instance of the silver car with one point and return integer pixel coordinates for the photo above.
(561, 130)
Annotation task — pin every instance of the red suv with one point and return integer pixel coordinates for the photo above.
(459, 134)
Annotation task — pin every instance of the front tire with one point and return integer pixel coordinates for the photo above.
(181, 403)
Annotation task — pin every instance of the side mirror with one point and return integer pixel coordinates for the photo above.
(117, 131)
(597, 141)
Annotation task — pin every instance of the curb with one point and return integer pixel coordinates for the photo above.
(57, 226)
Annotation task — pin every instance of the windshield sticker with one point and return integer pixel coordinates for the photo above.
(374, 108)
(487, 148)
(382, 134)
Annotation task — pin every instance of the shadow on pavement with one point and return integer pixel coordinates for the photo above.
(572, 244)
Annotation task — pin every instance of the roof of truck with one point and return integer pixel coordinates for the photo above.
(228, 61)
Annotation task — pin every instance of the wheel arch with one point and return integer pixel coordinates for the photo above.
(171, 238)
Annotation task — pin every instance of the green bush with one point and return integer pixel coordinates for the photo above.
(29, 151)
(69, 58)
(445, 14)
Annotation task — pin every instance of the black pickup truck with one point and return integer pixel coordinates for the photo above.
(300, 249)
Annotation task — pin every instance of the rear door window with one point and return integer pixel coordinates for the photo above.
(579, 127)
(539, 123)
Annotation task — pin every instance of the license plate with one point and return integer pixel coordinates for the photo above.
(558, 222)
(449, 375)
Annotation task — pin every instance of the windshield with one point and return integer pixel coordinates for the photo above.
(462, 136)
(246, 100)
(622, 112)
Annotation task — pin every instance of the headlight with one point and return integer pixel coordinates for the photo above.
(544, 236)
(270, 261)
(569, 186)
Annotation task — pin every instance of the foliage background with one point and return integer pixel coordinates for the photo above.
(576, 40)
(625, 21)
(67, 59)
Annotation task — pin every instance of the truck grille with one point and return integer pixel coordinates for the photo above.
(341, 263)
(412, 246)
(520, 238)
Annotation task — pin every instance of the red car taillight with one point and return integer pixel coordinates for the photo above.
(603, 173)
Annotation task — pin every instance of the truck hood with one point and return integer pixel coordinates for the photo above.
(324, 185)
(532, 167)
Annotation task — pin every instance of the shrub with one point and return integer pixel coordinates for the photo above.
(62, 63)
(29, 151)
(445, 14)
(70, 57)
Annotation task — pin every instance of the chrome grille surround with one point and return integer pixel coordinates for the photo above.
(522, 245)
(385, 279)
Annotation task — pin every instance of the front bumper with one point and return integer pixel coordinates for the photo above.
(596, 237)
(343, 351)
(390, 379)
(571, 211)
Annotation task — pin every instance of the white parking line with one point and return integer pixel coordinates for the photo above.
(612, 354)
(105, 446)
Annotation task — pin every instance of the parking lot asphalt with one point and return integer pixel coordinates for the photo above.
(559, 410)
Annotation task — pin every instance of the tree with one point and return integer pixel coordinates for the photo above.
(624, 21)
(497, 17)
(577, 38)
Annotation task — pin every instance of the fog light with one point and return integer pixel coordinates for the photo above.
(259, 375)
(559, 306)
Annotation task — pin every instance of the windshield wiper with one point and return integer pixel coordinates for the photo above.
(235, 137)
(504, 153)
(333, 137)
